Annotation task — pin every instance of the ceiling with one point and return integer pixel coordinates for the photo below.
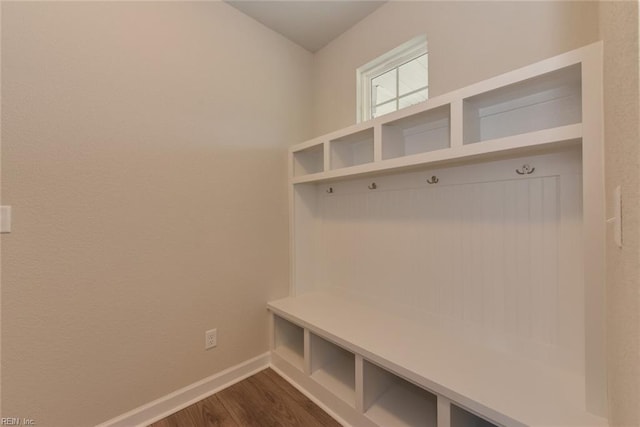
(310, 23)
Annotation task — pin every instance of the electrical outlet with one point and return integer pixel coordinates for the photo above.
(210, 339)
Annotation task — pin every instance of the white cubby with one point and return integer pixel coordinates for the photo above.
(309, 160)
(419, 133)
(389, 400)
(483, 287)
(543, 102)
(289, 341)
(352, 150)
(334, 368)
(463, 418)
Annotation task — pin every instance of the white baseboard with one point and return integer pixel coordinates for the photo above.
(186, 396)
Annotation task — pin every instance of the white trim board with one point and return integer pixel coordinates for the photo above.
(187, 396)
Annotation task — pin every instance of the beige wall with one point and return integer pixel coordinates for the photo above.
(619, 31)
(143, 149)
(468, 42)
(144, 159)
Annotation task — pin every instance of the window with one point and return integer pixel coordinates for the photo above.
(395, 80)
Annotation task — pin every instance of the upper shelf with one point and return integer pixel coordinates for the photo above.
(532, 107)
(543, 102)
(523, 143)
(417, 133)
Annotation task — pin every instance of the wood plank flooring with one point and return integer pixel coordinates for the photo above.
(262, 400)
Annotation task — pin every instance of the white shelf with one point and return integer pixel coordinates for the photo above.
(337, 378)
(396, 402)
(543, 102)
(418, 133)
(462, 418)
(291, 355)
(333, 368)
(309, 160)
(352, 150)
(531, 112)
(517, 145)
(507, 390)
(289, 342)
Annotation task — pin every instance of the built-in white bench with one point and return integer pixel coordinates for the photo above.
(448, 258)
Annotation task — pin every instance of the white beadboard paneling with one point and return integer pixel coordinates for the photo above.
(490, 253)
(525, 255)
(510, 276)
(550, 276)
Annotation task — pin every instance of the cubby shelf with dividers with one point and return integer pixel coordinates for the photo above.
(289, 342)
(334, 368)
(352, 149)
(389, 400)
(543, 102)
(462, 418)
(308, 160)
(419, 133)
(448, 258)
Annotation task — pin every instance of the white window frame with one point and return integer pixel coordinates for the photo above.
(394, 58)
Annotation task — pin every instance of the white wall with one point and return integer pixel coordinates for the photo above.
(467, 41)
(144, 154)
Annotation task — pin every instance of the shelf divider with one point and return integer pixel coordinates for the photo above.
(360, 405)
(456, 123)
(444, 412)
(377, 142)
(307, 351)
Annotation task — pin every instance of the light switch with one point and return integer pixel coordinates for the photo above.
(617, 212)
(616, 220)
(5, 219)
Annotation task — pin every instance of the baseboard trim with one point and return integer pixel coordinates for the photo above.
(186, 396)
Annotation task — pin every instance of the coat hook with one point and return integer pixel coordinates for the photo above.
(433, 180)
(330, 190)
(526, 170)
(373, 186)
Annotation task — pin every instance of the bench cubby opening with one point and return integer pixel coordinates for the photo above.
(389, 400)
(334, 368)
(462, 418)
(289, 341)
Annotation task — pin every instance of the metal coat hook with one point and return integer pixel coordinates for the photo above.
(330, 190)
(372, 186)
(525, 170)
(433, 180)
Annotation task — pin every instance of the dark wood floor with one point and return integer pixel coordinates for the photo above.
(262, 400)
